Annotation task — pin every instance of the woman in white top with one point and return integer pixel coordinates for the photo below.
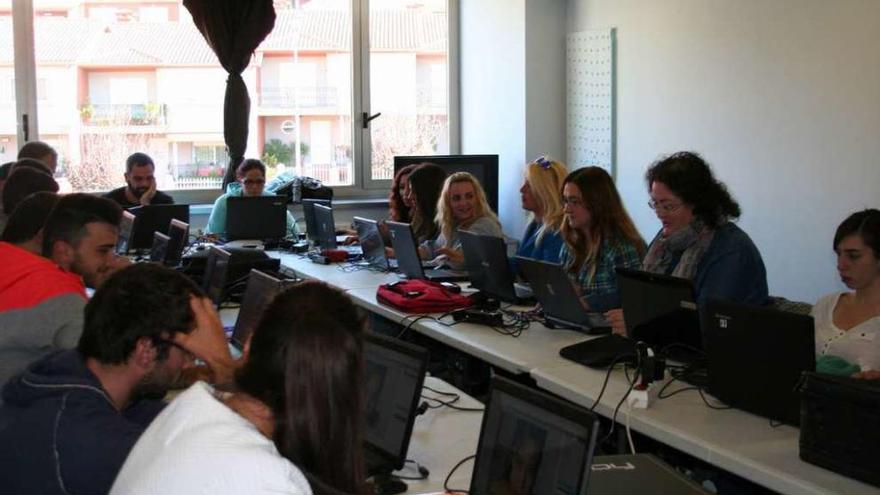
(462, 206)
(848, 323)
(293, 424)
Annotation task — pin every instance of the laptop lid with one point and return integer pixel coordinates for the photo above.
(152, 218)
(216, 270)
(485, 259)
(372, 245)
(532, 442)
(559, 296)
(126, 224)
(660, 310)
(160, 247)
(405, 250)
(756, 356)
(256, 217)
(178, 233)
(394, 372)
(326, 227)
(260, 290)
(308, 206)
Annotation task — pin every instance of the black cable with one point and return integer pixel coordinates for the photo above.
(438, 392)
(451, 405)
(710, 405)
(607, 376)
(620, 403)
(448, 476)
(410, 324)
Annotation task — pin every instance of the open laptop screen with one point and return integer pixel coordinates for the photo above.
(159, 250)
(486, 262)
(394, 374)
(126, 224)
(256, 217)
(326, 227)
(216, 270)
(531, 442)
(153, 218)
(178, 234)
(308, 206)
(261, 289)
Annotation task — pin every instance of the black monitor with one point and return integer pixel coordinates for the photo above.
(153, 218)
(308, 206)
(532, 442)
(394, 372)
(326, 227)
(216, 270)
(483, 167)
(126, 225)
(261, 289)
(256, 217)
(178, 235)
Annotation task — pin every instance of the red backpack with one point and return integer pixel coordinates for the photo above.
(421, 296)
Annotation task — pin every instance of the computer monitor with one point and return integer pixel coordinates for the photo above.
(532, 442)
(160, 248)
(178, 235)
(372, 245)
(394, 372)
(483, 167)
(216, 270)
(326, 228)
(256, 217)
(261, 289)
(152, 218)
(126, 224)
(308, 206)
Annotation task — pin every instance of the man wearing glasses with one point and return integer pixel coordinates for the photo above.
(69, 420)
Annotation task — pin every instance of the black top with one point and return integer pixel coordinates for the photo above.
(118, 195)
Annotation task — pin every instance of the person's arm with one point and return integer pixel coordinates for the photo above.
(208, 341)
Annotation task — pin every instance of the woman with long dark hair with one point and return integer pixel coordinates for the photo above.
(292, 425)
(599, 236)
(398, 203)
(423, 190)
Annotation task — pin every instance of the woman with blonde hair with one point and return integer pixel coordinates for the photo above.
(462, 206)
(599, 236)
(540, 195)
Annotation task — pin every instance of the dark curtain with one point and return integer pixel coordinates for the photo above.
(233, 29)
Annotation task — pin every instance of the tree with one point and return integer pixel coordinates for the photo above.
(403, 135)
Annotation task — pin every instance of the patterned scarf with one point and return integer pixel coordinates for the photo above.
(690, 243)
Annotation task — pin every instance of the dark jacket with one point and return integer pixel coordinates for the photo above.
(61, 434)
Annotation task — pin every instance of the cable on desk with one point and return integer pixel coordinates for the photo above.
(450, 404)
(438, 392)
(622, 400)
(411, 323)
(449, 476)
(616, 360)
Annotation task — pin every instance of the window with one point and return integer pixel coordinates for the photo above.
(114, 79)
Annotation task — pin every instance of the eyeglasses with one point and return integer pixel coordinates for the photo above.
(664, 207)
(254, 182)
(543, 162)
(572, 201)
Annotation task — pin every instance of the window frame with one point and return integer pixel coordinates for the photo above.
(363, 187)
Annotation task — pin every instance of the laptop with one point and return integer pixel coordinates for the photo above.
(160, 248)
(560, 298)
(756, 356)
(638, 473)
(216, 270)
(308, 206)
(532, 442)
(152, 218)
(659, 310)
(372, 245)
(126, 225)
(256, 217)
(408, 261)
(394, 372)
(485, 258)
(178, 235)
(260, 291)
(326, 231)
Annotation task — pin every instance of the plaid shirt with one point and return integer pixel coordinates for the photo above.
(600, 290)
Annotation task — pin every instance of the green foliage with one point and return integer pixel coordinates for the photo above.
(276, 151)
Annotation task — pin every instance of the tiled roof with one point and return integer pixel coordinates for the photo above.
(96, 43)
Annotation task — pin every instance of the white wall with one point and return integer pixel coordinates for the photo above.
(781, 97)
(512, 89)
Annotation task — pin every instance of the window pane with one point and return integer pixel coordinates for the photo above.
(304, 105)
(408, 81)
(116, 78)
(8, 144)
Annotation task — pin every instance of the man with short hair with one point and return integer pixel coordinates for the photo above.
(73, 416)
(42, 297)
(42, 152)
(25, 227)
(140, 188)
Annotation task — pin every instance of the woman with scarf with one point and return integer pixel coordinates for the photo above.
(698, 239)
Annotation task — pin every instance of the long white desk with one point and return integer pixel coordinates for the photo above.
(733, 440)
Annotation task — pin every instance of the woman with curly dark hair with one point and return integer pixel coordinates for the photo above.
(698, 239)
(398, 204)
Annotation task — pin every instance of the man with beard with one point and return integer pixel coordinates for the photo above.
(140, 188)
(42, 297)
(69, 421)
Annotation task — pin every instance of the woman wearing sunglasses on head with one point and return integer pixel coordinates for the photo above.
(540, 197)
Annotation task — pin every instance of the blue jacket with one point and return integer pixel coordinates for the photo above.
(61, 434)
(547, 250)
(731, 269)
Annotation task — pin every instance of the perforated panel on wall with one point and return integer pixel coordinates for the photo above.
(590, 82)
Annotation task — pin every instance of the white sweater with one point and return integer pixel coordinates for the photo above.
(859, 345)
(197, 445)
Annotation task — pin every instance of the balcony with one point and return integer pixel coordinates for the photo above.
(304, 97)
(123, 114)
